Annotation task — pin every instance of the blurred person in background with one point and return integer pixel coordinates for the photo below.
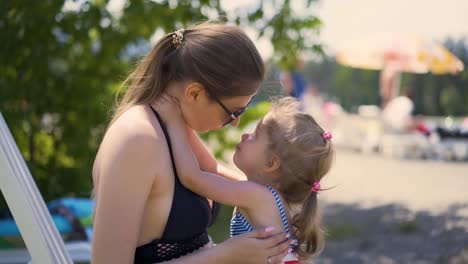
(398, 115)
(293, 82)
(389, 83)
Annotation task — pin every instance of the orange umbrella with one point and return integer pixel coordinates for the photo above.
(404, 52)
(394, 53)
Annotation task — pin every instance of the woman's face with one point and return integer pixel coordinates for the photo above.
(203, 114)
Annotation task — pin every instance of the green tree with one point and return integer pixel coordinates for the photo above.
(349, 87)
(61, 63)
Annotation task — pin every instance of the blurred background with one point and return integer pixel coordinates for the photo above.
(387, 78)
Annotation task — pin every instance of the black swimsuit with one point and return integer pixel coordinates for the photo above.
(186, 228)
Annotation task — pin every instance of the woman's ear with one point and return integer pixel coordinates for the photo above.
(272, 164)
(193, 91)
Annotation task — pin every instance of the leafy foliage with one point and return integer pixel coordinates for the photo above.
(61, 63)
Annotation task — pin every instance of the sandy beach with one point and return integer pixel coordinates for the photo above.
(383, 210)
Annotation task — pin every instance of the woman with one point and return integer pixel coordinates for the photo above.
(143, 213)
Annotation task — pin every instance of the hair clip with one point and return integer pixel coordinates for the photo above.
(178, 37)
(327, 135)
(315, 187)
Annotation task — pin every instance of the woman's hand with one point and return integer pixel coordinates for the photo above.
(257, 247)
(168, 108)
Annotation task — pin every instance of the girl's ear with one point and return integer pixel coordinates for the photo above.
(272, 164)
(193, 91)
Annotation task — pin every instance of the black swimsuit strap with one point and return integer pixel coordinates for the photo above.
(215, 207)
(168, 140)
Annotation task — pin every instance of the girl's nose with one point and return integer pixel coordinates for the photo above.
(245, 136)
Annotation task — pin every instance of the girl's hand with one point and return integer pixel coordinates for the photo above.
(259, 246)
(168, 108)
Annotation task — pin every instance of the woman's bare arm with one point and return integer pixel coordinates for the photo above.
(126, 173)
(250, 248)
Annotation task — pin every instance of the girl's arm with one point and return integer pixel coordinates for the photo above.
(244, 194)
(206, 160)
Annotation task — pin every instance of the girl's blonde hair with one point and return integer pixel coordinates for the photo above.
(305, 157)
(220, 57)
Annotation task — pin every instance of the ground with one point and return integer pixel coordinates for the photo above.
(395, 211)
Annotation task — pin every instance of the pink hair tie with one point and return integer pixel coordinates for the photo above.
(315, 187)
(327, 135)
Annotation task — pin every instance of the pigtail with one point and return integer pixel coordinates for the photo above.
(306, 153)
(307, 228)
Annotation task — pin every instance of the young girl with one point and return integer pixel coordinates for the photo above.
(284, 160)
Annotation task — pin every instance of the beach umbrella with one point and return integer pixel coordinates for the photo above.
(404, 52)
(393, 53)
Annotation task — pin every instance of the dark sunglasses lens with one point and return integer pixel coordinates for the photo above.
(237, 114)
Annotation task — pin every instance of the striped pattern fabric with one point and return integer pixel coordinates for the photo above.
(240, 225)
(281, 209)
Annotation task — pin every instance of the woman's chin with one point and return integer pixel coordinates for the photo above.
(200, 129)
(204, 129)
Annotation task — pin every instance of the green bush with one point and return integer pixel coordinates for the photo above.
(342, 231)
(408, 227)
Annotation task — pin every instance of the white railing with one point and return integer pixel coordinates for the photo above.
(42, 239)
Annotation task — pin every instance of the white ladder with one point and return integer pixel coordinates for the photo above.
(43, 241)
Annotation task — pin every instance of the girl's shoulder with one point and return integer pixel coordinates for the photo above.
(278, 197)
(282, 204)
(262, 195)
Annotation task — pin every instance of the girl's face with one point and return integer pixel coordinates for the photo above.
(251, 153)
(202, 113)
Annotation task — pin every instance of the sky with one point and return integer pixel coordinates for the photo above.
(346, 20)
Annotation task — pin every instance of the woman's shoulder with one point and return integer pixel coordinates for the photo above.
(137, 125)
(135, 131)
(132, 143)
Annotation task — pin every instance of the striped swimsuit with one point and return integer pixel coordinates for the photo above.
(240, 224)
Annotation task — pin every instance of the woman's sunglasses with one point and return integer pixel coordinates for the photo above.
(232, 115)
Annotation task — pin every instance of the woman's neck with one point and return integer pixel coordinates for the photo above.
(174, 89)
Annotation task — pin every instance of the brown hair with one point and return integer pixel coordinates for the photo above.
(220, 57)
(306, 157)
